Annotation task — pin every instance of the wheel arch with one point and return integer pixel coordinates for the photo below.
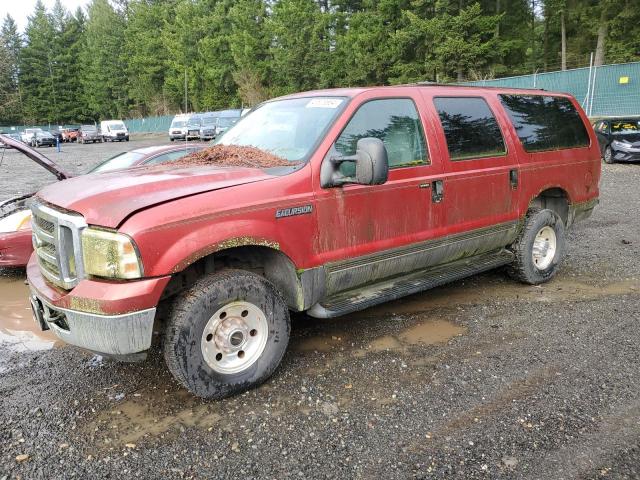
(298, 287)
(553, 198)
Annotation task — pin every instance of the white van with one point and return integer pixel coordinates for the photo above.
(178, 128)
(114, 130)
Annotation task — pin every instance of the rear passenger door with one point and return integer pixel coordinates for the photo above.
(481, 173)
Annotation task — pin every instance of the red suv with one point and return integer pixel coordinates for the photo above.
(380, 193)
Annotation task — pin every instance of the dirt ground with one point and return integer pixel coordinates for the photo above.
(483, 378)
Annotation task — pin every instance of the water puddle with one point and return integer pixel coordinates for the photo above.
(18, 330)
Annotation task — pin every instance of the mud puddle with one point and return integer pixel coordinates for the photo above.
(18, 330)
(426, 331)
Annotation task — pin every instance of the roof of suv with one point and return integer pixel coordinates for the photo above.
(449, 88)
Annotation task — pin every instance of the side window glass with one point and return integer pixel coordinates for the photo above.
(470, 128)
(605, 127)
(395, 122)
(545, 122)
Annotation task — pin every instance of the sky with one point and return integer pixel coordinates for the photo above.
(21, 9)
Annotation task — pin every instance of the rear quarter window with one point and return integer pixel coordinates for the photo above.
(545, 122)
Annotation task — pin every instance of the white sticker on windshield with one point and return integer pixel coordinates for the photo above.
(324, 103)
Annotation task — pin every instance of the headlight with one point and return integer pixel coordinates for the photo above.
(110, 254)
(620, 145)
(19, 220)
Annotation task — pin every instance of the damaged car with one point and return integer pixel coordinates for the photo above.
(15, 216)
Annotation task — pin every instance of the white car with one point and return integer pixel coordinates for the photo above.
(178, 128)
(114, 130)
(28, 134)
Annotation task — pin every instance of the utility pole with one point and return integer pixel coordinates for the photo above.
(185, 90)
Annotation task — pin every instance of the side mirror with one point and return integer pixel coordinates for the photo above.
(370, 161)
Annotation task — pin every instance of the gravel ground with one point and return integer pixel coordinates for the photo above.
(484, 378)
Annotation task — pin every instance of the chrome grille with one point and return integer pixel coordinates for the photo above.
(56, 241)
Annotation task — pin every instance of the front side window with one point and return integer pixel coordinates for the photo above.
(470, 128)
(544, 122)
(394, 121)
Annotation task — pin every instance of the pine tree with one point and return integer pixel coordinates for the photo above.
(10, 47)
(103, 71)
(35, 76)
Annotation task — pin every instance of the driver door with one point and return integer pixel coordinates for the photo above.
(365, 232)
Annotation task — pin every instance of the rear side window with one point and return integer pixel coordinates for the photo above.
(396, 122)
(470, 128)
(544, 122)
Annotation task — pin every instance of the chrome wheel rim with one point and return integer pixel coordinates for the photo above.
(234, 337)
(544, 248)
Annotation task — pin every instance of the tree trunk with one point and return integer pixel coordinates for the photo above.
(602, 36)
(545, 53)
(563, 41)
(498, 23)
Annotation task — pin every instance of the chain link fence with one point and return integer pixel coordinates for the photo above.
(605, 91)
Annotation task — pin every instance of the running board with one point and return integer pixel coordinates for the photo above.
(398, 287)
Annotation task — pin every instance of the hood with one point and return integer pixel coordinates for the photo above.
(633, 138)
(36, 156)
(107, 199)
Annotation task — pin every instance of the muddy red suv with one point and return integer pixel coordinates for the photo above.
(379, 193)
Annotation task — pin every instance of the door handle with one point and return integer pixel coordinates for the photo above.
(437, 192)
(513, 178)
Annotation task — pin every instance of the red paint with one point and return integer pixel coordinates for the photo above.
(15, 248)
(176, 216)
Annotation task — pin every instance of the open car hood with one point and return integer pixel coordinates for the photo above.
(107, 199)
(36, 156)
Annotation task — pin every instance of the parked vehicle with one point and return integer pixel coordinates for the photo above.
(114, 130)
(377, 193)
(15, 218)
(178, 128)
(226, 119)
(43, 139)
(89, 134)
(28, 134)
(14, 136)
(57, 135)
(208, 127)
(193, 127)
(619, 139)
(70, 134)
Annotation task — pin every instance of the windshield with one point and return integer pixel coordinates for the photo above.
(178, 123)
(122, 160)
(289, 129)
(625, 126)
(88, 127)
(194, 122)
(116, 126)
(227, 121)
(209, 121)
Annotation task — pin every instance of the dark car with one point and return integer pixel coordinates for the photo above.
(619, 139)
(43, 139)
(57, 134)
(227, 119)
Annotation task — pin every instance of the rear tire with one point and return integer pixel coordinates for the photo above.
(608, 155)
(220, 309)
(539, 248)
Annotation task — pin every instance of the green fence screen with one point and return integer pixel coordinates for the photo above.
(609, 90)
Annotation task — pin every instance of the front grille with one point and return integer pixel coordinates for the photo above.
(56, 241)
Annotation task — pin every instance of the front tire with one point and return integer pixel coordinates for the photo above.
(608, 155)
(226, 334)
(539, 249)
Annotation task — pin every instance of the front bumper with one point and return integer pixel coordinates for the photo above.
(622, 156)
(114, 318)
(109, 334)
